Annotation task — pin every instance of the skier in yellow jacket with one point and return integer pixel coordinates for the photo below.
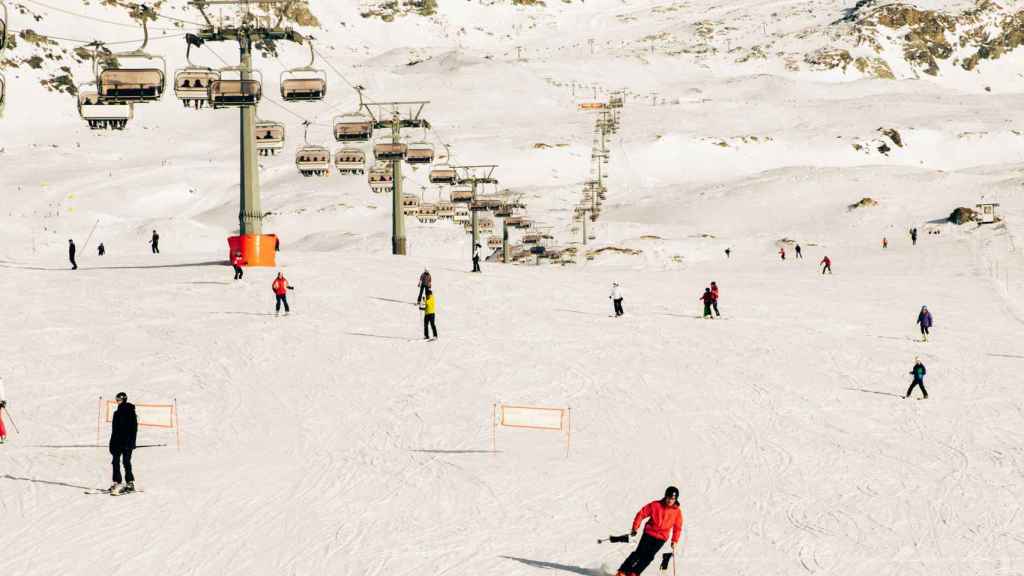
(428, 307)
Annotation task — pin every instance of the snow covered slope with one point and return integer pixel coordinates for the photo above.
(333, 441)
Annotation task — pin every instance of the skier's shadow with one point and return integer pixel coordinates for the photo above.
(874, 392)
(48, 482)
(556, 566)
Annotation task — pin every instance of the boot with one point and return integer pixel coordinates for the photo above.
(129, 487)
(116, 488)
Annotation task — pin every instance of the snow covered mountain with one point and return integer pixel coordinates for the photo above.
(333, 442)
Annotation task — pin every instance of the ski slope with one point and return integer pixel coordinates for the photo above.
(335, 441)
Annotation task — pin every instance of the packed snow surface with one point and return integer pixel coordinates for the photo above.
(335, 441)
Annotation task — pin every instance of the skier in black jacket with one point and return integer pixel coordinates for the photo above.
(123, 430)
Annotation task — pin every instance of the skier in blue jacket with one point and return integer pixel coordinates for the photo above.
(924, 318)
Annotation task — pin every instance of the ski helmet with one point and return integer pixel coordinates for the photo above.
(122, 396)
(672, 491)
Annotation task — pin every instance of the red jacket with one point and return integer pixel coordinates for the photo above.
(826, 261)
(714, 292)
(280, 286)
(237, 260)
(662, 520)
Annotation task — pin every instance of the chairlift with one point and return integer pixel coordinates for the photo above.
(503, 211)
(191, 84)
(270, 137)
(427, 213)
(461, 215)
(495, 242)
(100, 115)
(120, 84)
(353, 127)
(420, 153)
(443, 174)
(349, 160)
(385, 149)
(305, 84)
(445, 210)
(380, 178)
(234, 92)
(312, 160)
(485, 225)
(462, 195)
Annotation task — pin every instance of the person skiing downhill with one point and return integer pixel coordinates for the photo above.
(3, 406)
(714, 302)
(71, 254)
(616, 298)
(924, 318)
(154, 242)
(918, 372)
(281, 288)
(237, 262)
(101, 249)
(708, 299)
(124, 428)
(728, 252)
(782, 252)
(425, 284)
(913, 236)
(827, 262)
(799, 252)
(665, 519)
(885, 242)
(429, 308)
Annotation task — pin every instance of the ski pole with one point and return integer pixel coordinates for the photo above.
(11, 418)
(86, 245)
(623, 538)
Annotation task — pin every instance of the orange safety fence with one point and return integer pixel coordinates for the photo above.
(149, 415)
(531, 417)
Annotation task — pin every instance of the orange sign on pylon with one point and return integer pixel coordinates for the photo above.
(593, 105)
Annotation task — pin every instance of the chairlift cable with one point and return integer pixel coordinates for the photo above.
(95, 19)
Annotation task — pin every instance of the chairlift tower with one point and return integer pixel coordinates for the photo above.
(395, 116)
(475, 175)
(256, 248)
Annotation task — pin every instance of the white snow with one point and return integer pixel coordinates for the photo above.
(334, 441)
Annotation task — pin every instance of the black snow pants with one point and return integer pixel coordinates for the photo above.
(119, 454)
(645, 551)
(428, 322)
(423, 290)
(476, 263)
(281, 299)
(238, 272)
(915, 383)
(156, 247)
(714, 304)
(618, 306)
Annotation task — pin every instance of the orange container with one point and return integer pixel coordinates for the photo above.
(257, 249)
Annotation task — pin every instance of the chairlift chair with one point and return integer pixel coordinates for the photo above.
(312, 160)
(385, 149)
(462, 195)
(354, 127)
(99, 115)
(350, 160)
(503, 211)
(495, 242)
(461, 215)
(420, 153)
(235, 92)
(410, 204)
(380, 178)
(270, 137)
(485, 224)
(304, 84)
(445, 210)
(121, 84)
(427, 213)
(443, 174)
(191, 85)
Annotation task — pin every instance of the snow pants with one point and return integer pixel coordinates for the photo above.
(618, 306)
(827, 268)
(156, 247)
(917, 382)
(924, 330)
(238, 272)
(428, 322)
(715, 306)
(645, 551)
(118, 455)
(476, 263)
(707, 309)
(281, 299)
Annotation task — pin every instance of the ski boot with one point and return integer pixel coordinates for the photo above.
(129, 487)
(116, 489)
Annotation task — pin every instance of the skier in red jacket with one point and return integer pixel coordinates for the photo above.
(827, 263)
(237, 261)
(281, 288)
(665, 517)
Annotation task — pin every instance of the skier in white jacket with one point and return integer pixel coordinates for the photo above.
(616, 297)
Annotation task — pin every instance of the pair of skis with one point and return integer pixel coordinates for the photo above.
(666, 557)
(108, 491)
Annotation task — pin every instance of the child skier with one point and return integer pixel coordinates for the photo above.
(281, 288)
(616, 297)
(827, 262)
(429, 308)
(918, 373)
(924, 318)
(709, 300)
(665, 517)
(123, 430)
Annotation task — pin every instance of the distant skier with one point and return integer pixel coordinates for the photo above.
(154, 243)
(728, 252)
(827, 263)
(281, 288)
(616, 297)
(476, 257)
(237, 262)
(913, 236)
(924, 318)
(123, 429)
(425, 285)
(3, 406)
(714, 302)
(709, 299)
(101, 250)
(71, 254)
(799, 253)
(782, 252)
(885, 242)
(277, 244)
(429, 308)
(665, 519)
(918, 373)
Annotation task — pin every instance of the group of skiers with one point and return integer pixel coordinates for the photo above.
(101, 249)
